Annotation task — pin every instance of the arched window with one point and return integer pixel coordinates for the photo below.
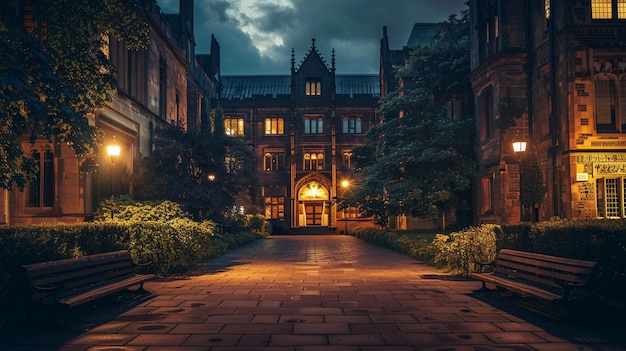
(274, 161)
(313, 161)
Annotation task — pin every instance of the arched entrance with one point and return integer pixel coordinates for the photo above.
(312, 202)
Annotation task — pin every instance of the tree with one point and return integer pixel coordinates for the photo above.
(418, 161)
(532, 189)
(53, 74)
(183, 161)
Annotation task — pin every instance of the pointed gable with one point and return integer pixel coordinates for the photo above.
(313, 82)
(313, 62)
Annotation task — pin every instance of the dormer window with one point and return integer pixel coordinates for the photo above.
(313, 87)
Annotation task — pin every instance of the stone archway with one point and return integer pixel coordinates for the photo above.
(313, 197)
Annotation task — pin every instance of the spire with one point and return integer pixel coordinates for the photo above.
(332, 61)
(313, 43)
(293, 60)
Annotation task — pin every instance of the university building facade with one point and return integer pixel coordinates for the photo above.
(302, 127)
(551, 73)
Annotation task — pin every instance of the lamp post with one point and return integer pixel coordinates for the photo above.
(345, 184)
(519, 147)
(113, 150)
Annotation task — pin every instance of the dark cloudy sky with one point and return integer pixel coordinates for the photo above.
(256, 36)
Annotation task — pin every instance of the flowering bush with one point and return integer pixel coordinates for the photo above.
(460, 251)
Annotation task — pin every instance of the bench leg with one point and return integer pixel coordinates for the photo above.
(483, 288)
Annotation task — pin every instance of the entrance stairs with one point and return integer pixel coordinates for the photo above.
(313, 230)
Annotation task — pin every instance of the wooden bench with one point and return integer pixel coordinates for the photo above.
(545, 277)
(75, 281)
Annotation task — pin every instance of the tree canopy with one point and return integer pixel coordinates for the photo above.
(182, 162)
(53, 74)
(417, 160)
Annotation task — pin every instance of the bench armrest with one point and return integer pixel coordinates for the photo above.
(47, 288)
(142, 264)
(484, 265)
(568, 287)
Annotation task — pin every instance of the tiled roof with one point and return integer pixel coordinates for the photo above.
(423, 34)
(245, 87)
(365, 84)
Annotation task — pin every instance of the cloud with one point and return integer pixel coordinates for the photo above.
(256, 36)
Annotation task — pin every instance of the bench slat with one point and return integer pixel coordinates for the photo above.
(105, 290)
(78, 280)
(523, 289)
(539, 275)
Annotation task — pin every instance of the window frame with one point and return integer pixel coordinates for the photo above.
(609, 96)
(274, 125)
(313, 87)
(239, 130)
(274, 161)
(611, 202)
(313, 124)
(487, 114)
(40, 191)
(313, 161)
(346, 159)
(274, 207)
(352, 124)
(608, 10)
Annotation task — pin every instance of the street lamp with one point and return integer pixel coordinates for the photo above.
(113, 150)
(345, 184)
(519, 146)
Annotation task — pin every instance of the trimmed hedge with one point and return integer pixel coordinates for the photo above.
(172, 247)
(603, 241)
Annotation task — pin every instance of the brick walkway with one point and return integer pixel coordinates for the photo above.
(305, 293)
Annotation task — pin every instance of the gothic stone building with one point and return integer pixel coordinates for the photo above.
(566, 61)
(302, 128)
(163, 83)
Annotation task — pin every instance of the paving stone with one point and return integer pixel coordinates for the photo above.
(319, 293)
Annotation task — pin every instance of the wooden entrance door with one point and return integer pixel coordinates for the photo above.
(314, 213)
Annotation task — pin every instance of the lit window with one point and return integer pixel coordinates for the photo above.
(546, 8)
(313, 161)
(313, 125)
(601, 9)
(274, 126)
(275, 207)
(274, 161)
(41, 189)
(610, 197)
(232, 164)
(621, 9)
(351, 124)
(233, 126)
(313, 88)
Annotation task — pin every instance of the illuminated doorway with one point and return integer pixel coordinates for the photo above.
(314, 213)
(312, 198)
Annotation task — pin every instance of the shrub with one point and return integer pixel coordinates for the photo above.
(418, 249)
(460, 251)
